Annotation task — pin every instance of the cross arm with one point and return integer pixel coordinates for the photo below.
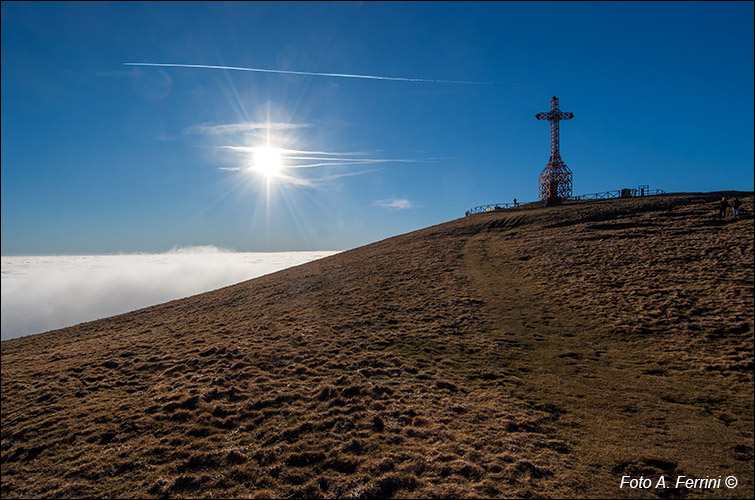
(560, 115)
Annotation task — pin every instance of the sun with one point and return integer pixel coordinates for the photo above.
(268, 161)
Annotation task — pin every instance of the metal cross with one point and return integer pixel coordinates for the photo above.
(556, 178)
(554, 116)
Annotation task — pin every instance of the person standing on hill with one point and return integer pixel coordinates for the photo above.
(735, 206)
(724, 207)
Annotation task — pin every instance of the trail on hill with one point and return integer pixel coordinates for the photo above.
(601, 366)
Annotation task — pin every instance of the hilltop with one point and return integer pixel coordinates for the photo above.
(542, 352)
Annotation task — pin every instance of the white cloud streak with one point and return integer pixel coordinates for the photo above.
(307, 73)
(241, 127)
(315, 182)
(46, 293)
(323, 159)
(297, 159)
(396, 204)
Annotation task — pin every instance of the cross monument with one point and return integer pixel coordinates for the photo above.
(556, 178)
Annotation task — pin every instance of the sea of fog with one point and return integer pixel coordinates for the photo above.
(45, 293)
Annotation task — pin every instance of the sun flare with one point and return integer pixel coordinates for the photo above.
(268, 161)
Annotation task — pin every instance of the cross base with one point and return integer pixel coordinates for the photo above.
(555, 182)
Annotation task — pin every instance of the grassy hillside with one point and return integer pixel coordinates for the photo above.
(542, 352)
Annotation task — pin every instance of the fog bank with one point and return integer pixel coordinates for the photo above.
(45, 293)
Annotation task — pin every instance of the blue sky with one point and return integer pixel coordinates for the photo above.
(98, 157)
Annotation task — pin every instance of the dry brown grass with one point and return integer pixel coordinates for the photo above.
(543, 352)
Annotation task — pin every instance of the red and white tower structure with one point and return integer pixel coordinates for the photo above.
(556, 178)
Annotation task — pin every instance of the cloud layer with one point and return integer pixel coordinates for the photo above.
(45, 293)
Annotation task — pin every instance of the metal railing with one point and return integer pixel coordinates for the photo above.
(605, 195)
(619, 193)
(493, 207)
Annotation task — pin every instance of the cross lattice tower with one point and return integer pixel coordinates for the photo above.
(556, 178)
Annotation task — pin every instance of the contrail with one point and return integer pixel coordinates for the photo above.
(339, 75)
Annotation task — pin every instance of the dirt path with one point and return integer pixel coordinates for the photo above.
(613, 406)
